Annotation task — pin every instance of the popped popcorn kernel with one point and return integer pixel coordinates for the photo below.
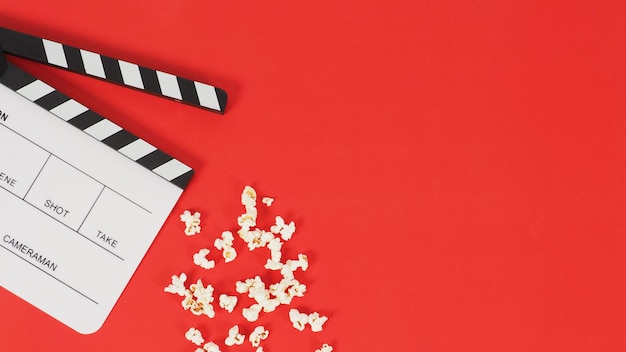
(229, 254)
(325, 348)
(299, 320)
(226, 240)
(234, 337)
(267, 201)
(192, 222)
(194, 335)
(273, 265)
(178, 285)
(228, 302)
(252, 313)
(201, 260)
(259, 334)
(285, 230)
(302, 262)
(211, 347)
(259, 349)
(201, 304)
(248, 196)
(316, 321)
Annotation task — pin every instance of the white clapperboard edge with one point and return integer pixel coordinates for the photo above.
(109, 69)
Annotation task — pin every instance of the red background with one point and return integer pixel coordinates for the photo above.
(455, 169)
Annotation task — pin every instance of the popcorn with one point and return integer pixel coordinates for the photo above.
(229, 254)
(287, 272)
(316, 321)
(234, 337)
(201, 304)
(178, 285)
(247, 220)
(198, 299)
(270, 305)
(273, 265)
(258, 335)
(225, 241)
(248, 196)
(302, 262)
(201, 260)
(194, 336)
(252, 313)
(211, 347)
(296, 289)
(285, 230)
(275, 245)
(228, 302)
(192, 222)
(299, 320)
(225, 244)
(325, 348)
(244, 287)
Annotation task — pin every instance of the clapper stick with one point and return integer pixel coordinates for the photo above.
(114, 70)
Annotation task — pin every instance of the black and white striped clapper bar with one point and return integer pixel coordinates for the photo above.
(114, 70)
(128, 74)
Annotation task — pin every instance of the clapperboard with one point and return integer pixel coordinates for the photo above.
(82, 199)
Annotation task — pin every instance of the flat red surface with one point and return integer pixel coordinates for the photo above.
(456, 169)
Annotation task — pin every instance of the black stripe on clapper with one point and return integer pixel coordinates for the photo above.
(24, 45)
(119, 140)
(112, 69)
(154, 159)
(150, 80)
(188, 91)
(52, 100)
(15, 78)
(74, 59)
(182, 180)
(85, 120)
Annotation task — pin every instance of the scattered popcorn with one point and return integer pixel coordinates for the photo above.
(316, 321)
(194, 336)
(229, 254)
(192, 222)
(178, 285)
(201, 260)
(225, 241)
(296, 289)
(287, 272)
(285, 230)
(228, 302)
(273, 265)
(252, 313)
(248, 196)
(198, 299)
(299, 320)
(211, 347)
(302, 263)
(325, 348)
(201, 304)
(258, 335)
(234, 337)
(267, 201)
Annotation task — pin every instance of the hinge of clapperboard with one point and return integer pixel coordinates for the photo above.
(99, 66)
